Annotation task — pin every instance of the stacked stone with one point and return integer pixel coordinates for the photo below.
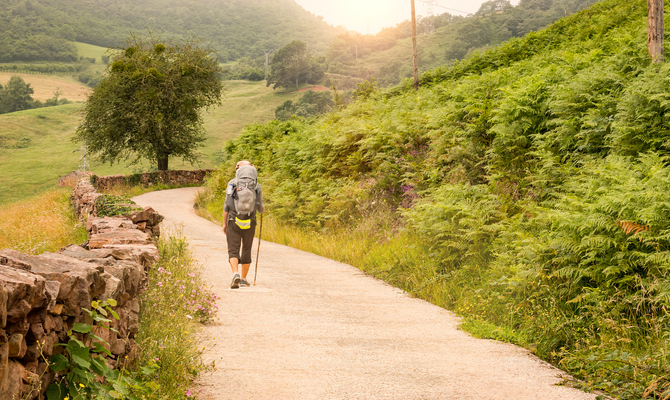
(42, 297)
(72, 178)
(174, 178)
(84, 197)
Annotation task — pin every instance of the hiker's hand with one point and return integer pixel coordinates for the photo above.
(224, 228)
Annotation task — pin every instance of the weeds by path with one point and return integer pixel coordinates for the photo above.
(173, 307)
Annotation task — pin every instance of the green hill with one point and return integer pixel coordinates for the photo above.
(526, 187)
(387, 56)
(36, 147)
(43, 30)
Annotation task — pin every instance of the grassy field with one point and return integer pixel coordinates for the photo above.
(45, 86)
(36, 147)
(90, 51)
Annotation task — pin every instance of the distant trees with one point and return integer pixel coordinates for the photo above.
(494, 6)
(352, 57)
(149, 104)
(16, 96)
(43, 30)
(311, 103)
(290, 65)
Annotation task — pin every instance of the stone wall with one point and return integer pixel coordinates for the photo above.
(41, 297)
(172, 178)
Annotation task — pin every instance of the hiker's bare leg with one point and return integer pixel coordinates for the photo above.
(234, 262)
(245, 270)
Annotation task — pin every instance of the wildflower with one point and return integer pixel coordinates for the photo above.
(191, 274)
(160, 283)
(188, 393)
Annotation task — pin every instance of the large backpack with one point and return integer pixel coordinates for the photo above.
(245, 191)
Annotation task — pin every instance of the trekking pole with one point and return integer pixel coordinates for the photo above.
(260, 231)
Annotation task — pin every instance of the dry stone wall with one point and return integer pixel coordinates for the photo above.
(41, 297)
(172, 178)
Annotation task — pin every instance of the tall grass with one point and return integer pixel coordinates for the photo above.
(172, 307)
(43, 223)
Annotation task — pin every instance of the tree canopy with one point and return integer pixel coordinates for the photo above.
(42, 30)
(16, 96)
(149, 103)
(289, 65)
(292, 64)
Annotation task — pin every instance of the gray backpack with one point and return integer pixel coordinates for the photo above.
(245, 191)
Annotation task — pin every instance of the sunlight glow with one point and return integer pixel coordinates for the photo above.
(358, 15)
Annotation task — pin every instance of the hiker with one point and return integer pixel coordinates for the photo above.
(243, 198)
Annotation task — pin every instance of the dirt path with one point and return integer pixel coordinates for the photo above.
(314, 328)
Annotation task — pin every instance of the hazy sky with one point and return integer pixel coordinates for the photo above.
(356, 14)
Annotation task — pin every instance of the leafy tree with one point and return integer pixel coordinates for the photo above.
(290, 65)
(16, 96)
(312, 103)
(493, 6)
(148, 105)
(365, 89)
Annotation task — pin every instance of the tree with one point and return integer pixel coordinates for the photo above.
(493, 6)
(655, 33)
(16, 96)
(148, 105)
(290, 65)
(311, 103)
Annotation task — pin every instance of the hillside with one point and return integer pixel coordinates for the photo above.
(525, 187)
(45, 86)
(387, 56)
(43, 30)
(36, 147)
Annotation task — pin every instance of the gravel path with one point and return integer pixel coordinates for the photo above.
(313, 328)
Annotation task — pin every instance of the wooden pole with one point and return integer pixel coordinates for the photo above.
(415, 60)
(655, 37)
(258, 252)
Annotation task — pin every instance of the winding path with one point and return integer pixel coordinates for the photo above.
(313, 328)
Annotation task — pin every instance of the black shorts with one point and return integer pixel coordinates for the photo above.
(240, 239)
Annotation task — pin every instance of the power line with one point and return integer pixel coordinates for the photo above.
(450, 9)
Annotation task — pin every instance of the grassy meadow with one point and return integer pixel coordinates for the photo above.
(44, 86)
(36, 147)
(43, 223)
(90, 51)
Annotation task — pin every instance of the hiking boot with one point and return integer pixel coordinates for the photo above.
(243, 282)
(236, 282)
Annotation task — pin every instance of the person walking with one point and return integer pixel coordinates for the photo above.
(244, 197)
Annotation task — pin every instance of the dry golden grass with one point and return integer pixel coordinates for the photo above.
(45, 86)
(42, 223)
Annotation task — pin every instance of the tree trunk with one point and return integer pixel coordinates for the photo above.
(162, 162)
(655, 38)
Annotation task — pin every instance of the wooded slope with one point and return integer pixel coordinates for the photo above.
(41, 30)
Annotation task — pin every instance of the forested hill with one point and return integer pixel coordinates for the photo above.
(41, 30)
(526, 187)
(443, 39)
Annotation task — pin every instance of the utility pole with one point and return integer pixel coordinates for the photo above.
(83, 159)
(414, 52)
(655, 37)
(267, 55)
(428, 21)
